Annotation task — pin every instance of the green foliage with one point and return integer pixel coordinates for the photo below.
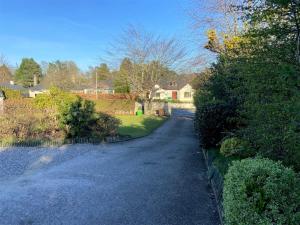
(55, 98)
(121, 86)
(272, 112)
(121, 83)
(261, 191)
(80, 120)
(236, 147)
(11, 94)
(214, 119)
(77, 117)
(257, 77)
(27, 72)
(74, 114)
(54, 116)
(221, 162)
(106, 125)
(103, 71)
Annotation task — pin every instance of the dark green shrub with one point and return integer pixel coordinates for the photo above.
(273, 125)
(77, 117)
(236, 147)
(261, 191)
(213, 119)
(105, 125)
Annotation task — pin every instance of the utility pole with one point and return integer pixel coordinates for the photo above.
(96, 84)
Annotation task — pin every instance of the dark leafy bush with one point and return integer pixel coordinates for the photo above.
(272, 114)
(76, 118)
(236, 147)
(213, 119)
(106, 125)
(261, 191)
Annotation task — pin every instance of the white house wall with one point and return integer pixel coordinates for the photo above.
(186, 88)
(167, 94)
(164, 94)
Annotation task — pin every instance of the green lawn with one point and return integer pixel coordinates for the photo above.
(138, 126)
(114, 105)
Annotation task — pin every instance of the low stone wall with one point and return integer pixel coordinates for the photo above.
(184, 105)
(152, 107)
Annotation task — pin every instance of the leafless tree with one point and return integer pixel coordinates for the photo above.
(62, 74)
(3, 60)
(222, 15)
(5, 70)
(150, 55)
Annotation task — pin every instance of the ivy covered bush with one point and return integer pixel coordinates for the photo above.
(235, 146)
(262, 192)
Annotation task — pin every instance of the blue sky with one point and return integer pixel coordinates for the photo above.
(80, 30)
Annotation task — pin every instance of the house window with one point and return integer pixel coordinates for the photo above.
(187, 95)
(157, 95)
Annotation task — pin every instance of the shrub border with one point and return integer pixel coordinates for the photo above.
(47, 143)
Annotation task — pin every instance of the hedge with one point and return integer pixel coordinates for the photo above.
(262, 192)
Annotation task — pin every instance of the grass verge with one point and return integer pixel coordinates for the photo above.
(139, 126)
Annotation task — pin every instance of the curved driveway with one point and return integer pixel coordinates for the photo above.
(156, 180)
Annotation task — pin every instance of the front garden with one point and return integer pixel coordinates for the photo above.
(60, 117)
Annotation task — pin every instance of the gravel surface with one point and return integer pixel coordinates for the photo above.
(160, 179)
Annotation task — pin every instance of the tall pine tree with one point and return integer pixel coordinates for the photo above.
(27, 72)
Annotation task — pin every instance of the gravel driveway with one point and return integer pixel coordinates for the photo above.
(157, 180)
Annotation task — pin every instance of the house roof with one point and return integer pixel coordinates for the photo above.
(177, 83)
(38, 87)
(12, 86)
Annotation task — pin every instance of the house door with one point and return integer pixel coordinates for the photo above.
(174, 95)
